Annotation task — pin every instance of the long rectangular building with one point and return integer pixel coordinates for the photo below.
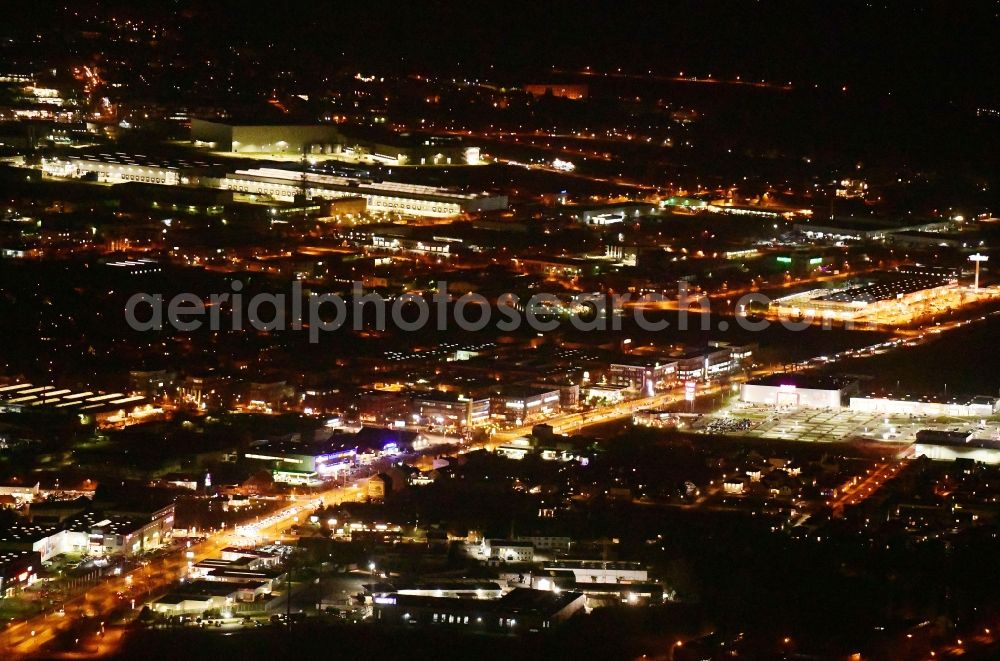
(384, 196)
(279, 184)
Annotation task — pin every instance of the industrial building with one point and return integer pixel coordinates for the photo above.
(363, 143)
(390, 148)
(252, 138)
(119, 167)
(284, 185)
(599, 571)
(106, 409)
(520, 610)
(381, 196)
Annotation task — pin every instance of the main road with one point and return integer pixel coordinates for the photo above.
(97, 604)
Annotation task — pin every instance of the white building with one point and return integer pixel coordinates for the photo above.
(504, 550)
(380, 196)
(796, 391)
(981, 407)
(597, 571)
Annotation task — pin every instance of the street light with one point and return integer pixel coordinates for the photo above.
(978, 259)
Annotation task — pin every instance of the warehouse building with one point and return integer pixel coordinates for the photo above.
(380, 196)
(252, 138)
(279, 185)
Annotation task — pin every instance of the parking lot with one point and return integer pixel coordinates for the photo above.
(831, 425)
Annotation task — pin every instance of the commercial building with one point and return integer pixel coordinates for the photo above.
(888, 294)
(18, 569)
(451, 410)
(643, 374)
(611, 214)
(519, 611)
(562, 267)
(868, 229)
(456, 588)
(597, 571)
(21, 493)
(982, 406)
(798, 391)
(98, 534)
(523, 405)
(196, 597)
(704, 364)
(949, 446)
(659, 418)
(94, 533)
(302, 464)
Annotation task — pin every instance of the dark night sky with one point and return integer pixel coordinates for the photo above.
(918, 47)
(940, 48)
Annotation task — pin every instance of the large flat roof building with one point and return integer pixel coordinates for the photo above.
(797, 390)
(384, 196)
(281, 184)
(267, 138)
(520, 610)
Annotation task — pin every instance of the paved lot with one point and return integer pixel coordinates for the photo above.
(830, 425)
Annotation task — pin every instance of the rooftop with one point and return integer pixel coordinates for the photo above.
(888, 286)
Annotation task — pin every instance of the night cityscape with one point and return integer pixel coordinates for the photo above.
(553, 330)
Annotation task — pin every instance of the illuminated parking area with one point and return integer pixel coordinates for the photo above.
(819, 426)
(835, 425)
